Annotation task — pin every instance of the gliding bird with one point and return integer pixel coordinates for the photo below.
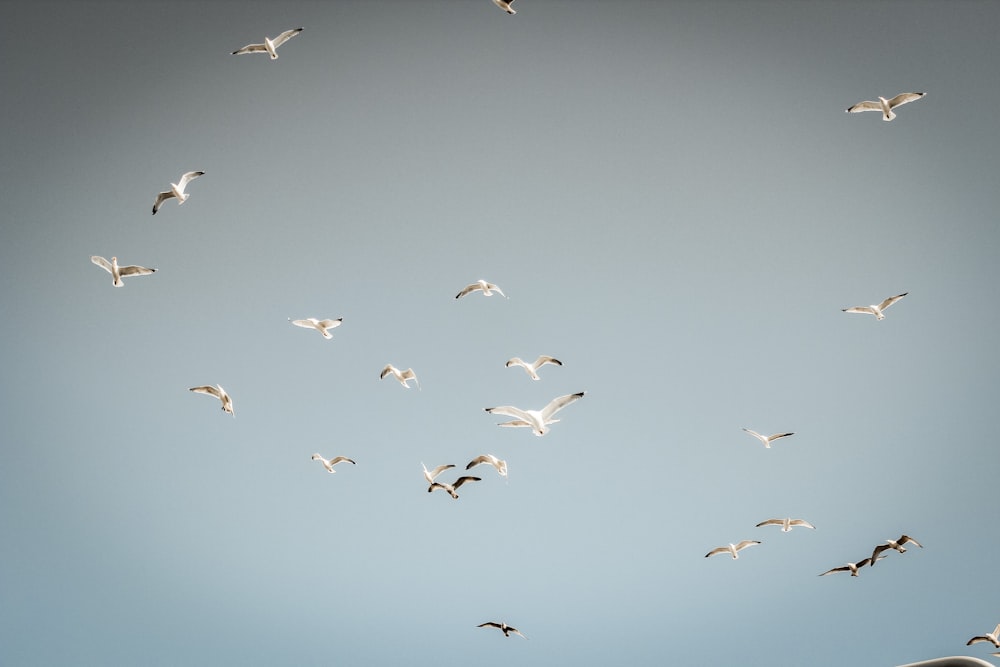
(176, 190)
(884, 105)
(767, 439)
(321, 326)
(506, 629)
(487, 288)
(786, 524)
(876, 310)
(402, 376)
(219, 393)
(532, 368)
(119, 272)
(732, 549)
(538, 420)
(270, 46)
(328, 464)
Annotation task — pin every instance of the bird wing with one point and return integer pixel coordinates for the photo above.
(976, 640)
(770, 522)
(842, 568)
(462, 480)
(307, 324)
(339, 459)
(479, 459)
(160, 198)
(801, 522)
(746, 543)
(285, 36)
(510, 411)
(251, 48)
(467, 289)
(903, 539)
(330, 324)
(101, 262)
(431, 474)
(879, 549)
(904, 98)
(135, 271)
(778, 436)
(515, 631)
(514, 361)
(516, 422)
(491, 286)
(545, 359)
(488, 624)
(211, 391)
(717, 550)
(891, 300)
(860, 309)
(867, 105)
(385, 371)
(187, 178)
(756, 434)
(557, 404)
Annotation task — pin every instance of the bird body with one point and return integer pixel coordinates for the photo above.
(322, 326)
(884, 105)
(895, 544)
(532, 368)
(487, 289)
(219, 393)
(450, 488)
(429, 475)
(328, 464)
(850, 567)
(176, 190)
(118, 272)
(874, 309)
(992, 637)
(403, 376)
(538, 420)
(767, 439)
(270, 46)
(786, 524)
(732, 549)
(506, 629)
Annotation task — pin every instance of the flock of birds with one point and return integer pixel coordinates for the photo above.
(538, 420)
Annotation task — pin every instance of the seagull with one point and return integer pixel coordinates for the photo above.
(538, 420)
(219, 393)
(499, 464)
(118, 272)
(402, 376)
(884, 105)
(328, 464)
(506, 6)
(321, 326)
(176, 190)
(767, 439)
(732, 548)
(270, 46)
(876, 310)
(533, 367)
(506, 629)
(786, 524)
(894, 544)
(429, 475)
(993, 637)
(850, 567)
(450, 488)
(488, 289)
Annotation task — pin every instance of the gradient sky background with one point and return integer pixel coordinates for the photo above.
(678, 207)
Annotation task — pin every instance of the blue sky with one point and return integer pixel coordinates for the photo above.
(678, 208)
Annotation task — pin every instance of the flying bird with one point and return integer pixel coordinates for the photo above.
(270, 46)
(429, 475)
(538, 420)
(850, 567)
(328, 464)
(895, 544)
(450, 488)
(732, 549)
(767, 439)
(786, 524)
(884, 105)
(506, 629)
(992, 637)
(322, 326)
(876, 310)
(499, 464)
(487, 288)
(532, 368)
(176, 190)
(119, 272)
(402, 376)
(219, 393)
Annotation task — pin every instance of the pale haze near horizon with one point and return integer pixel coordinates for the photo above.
(678, 207)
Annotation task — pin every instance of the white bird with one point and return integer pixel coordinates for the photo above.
(533, 367)
(732, 549)
(176, 190)
(538, 420)
(499, 464)
(450, 488)
(895, 544)
(876, 310)
(884, 105)
(506, 6)
(429, 475)
(119, 272)
(328, 464)
(321, 326)
(270, 46)
(219, 393)
(506, 629)
(767, 439)
(993, 637)
(402, 376)
(850, 567)
(786, 524)
(487, 288)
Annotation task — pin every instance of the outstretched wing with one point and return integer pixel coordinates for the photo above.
(101, 262)
(867, 105)
(462, 480)
(771, 522)
(339, 459)
(510, 411)
(135, 271)
(842, 568)
(488, 624)
(160, 198)
(904, 98)
(746, 543)
(545, 359)
(557, 404)
(859, 309)
(467, 289)
(330, 324)
(285, 36)
(251, 48)
(187, 178)
(801, 522)
(891, 300)
(431, 474)
(211, 391)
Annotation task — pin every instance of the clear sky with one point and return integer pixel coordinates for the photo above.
(678, 207)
